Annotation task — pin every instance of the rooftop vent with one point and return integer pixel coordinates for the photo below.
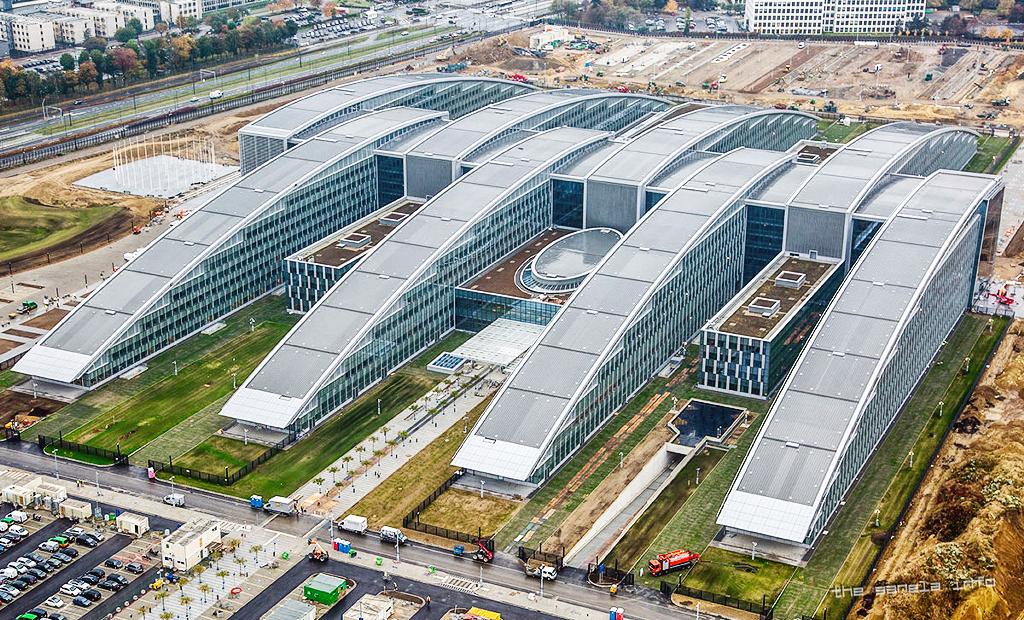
(354, 240)
(393, 219)
(764, 306)
(808, 158)
(790, 279)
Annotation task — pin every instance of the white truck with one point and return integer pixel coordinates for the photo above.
(536, 568)
(174, 499)
(355, 523)
(281, 505)
(392, 535)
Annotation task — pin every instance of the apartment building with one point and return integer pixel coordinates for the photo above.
(813, 17)
(145, 14)
(27, 33)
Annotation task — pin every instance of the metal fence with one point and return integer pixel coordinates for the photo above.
(599, 573)
(554, 559)
(762, 609)
(31, 154)
(227, 478)
(412, 520)
(59, 443)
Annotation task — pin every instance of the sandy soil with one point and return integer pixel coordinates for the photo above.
(977, 479)
(47, 319)
(963, 81)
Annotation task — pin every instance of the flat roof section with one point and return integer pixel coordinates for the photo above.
(738, 319)
(334, 252)
(501, 277)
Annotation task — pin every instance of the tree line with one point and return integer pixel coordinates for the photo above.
(101, 65)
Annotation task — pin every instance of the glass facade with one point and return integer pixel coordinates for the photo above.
(701, 282)
(475, 310)
(755, 366)
(425, 310)
(248, 265)
(307, 282)
(390, 179)
(567, 203)
(765, 229)
(940, 308)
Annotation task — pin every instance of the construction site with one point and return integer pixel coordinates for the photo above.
(921, 81)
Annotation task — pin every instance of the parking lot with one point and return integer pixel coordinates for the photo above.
(43, 573)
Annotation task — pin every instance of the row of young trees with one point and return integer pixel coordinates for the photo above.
(621, 13)
(99, 65)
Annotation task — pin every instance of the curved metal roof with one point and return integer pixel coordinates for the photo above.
(512, 436)
(288, 379)
(462, 137)
(82, 336)
(781, 486)
(293, 119)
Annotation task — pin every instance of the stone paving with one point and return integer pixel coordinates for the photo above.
(421, 429)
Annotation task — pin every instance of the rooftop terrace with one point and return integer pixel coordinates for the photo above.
(737, 317)
(354, 240)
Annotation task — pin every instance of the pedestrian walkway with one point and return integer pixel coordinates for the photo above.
(415, 428)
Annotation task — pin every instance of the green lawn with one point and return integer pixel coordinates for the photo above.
(833, 131)
(739, 576)
(845, 554)
(216, 453)
(631, 549)
(28, 227)
(134, 412)
(289, 470)
(9, 378)
(993, 153)
(694, 526)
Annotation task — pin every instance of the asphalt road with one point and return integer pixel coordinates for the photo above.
(371, 582)
(133, 481)
(571, 585)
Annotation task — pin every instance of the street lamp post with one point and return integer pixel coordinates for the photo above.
(753, 549)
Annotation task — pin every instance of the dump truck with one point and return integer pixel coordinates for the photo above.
(536, 568)
(664, 563)
(27, 306)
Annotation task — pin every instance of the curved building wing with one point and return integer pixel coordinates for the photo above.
(398, 299)
(675, 268)
(863, 360)
(224, 254)
(277, 131)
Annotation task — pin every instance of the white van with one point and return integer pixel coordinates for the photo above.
(216, 94)
(392, 535)
(18, 516)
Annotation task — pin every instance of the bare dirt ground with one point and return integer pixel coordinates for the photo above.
(965, 522)
(891, 80)
(24, 409)
(580, 520)
(47, 319)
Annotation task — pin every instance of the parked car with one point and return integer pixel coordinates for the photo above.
(88, 541)
(62, 557)
(39, 612)
(81, 601)
(71, 552)
(38, 572)
(134, 568)
(27, 561)
(109, 584)
(92, 594)
(97, 571)
(70, 590)
(38, 559)
(17, 530)
(121, 579)
(114, 563)
(58, 617)
(5, 597)
(51, 565)
(29, 577)
(54, 601)
(90, 579)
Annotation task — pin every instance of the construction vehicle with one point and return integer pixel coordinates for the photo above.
(482, 553)
(664, 563)
(622, 89)
(27, 306)
(317, 553)
(1001, 103)
(536, 568)
(519, 77)
(830, 106)
(1003, 298)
